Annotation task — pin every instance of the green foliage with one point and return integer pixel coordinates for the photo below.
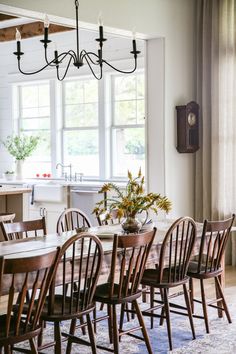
(21, 146)
(133, 200)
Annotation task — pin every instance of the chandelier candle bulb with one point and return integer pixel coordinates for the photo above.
(18, 39)
(46, 21)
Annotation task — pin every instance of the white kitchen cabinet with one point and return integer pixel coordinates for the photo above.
(50, 210)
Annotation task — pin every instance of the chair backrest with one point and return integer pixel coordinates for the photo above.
(176, 251)
(7, 217)
(23, 229)
(132, 250)
(213, 242)
(72, 219)
(18, 275)
(76, 277)
(113, 219)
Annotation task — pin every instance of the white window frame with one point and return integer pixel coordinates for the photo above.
(123, 126)
(57, 121)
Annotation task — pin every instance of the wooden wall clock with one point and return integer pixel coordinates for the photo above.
(188, 127)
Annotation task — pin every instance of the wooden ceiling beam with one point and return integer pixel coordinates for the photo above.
(30, 30)
(4, 17)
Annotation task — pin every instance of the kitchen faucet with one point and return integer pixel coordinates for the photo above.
(65, 166)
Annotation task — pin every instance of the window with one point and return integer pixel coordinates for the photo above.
(97, 126)
(80, 126)
(34, 114)
(128, 132)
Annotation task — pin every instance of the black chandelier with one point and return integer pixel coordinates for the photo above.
(77, 58)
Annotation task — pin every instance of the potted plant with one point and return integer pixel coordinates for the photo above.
(130, 202)
(9, 175)
(21, 147)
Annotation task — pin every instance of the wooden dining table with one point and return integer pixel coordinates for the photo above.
(33, 246)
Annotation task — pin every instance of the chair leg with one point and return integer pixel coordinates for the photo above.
(83, 329)
(144, 294)
(91, 334)
(204, 306)
(110, 323)
(115, 330)
(144, 330)
(33, 347)
(57, 337)
(167, 312)
(127, 313)
(189, 309)
(122, 315)
(95, 317)
(40, 336)
(163, 309)
(223, 300)
(191, 293)
(152, 294)
(219, 303)
(72, 331)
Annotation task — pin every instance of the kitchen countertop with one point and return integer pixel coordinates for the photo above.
(13, 190)
(92, 184)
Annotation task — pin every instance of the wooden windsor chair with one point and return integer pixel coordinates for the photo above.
(23, 229)
(209, 264)
(132, 251)
(6, 218)
(72, 219)
(19, 323)
(171, 272)
(81, 261)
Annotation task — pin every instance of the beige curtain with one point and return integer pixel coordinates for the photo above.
(215, 184)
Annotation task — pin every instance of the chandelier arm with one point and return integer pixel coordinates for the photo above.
(70, 52)
(46, 59)
(96, 77)
(122, 71)
(87, 54)
(34, 72)
(67, 68)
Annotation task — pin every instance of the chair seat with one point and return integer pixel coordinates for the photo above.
(102, 294)
(69, 312)
(150, 277)
(204, 272)
(12, 337)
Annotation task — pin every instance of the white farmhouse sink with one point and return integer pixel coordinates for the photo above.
(48, 192)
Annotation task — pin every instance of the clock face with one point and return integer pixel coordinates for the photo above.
(192, 119)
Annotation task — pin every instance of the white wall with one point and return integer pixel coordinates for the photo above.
(174, 20)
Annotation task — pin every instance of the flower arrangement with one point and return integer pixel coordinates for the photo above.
(131, 201)
(21, 146)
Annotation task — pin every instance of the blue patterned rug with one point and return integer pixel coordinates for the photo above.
(221, 340)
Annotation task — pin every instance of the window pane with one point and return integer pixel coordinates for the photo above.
(125, 87)
(32, 124)
(90, 91)
(128, 151)
(81, 150)
(140, 86)
(74, 92)
(140, 111)
(43, 151)
(82, 115)
(125, 112)
(35, 95)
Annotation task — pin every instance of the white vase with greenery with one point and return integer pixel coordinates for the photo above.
(21, 147)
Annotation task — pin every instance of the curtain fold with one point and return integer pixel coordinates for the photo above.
(215, 164)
